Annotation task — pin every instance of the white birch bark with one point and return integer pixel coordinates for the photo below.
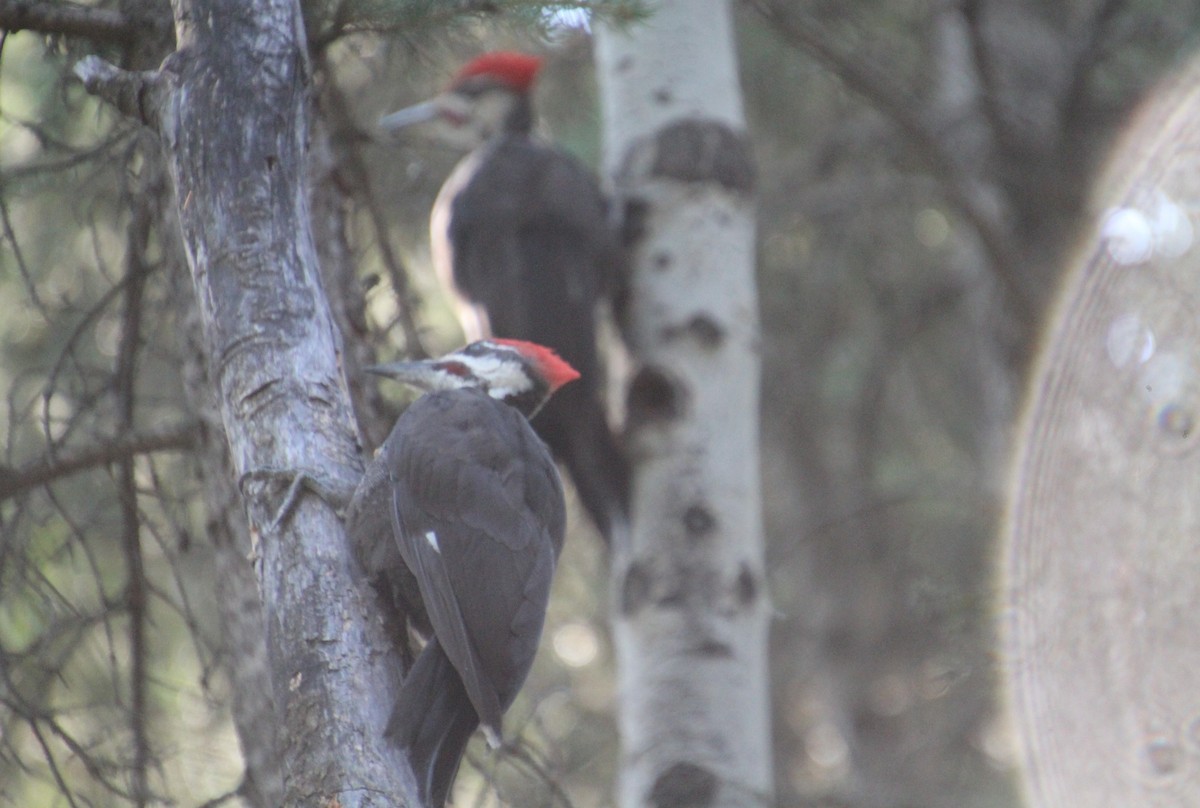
(691, 607)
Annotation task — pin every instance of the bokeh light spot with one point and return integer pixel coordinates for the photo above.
(1177, 421)
(576, 644)
(1173, 233)
(826, 746)
(1136, 235)
(1129, 340)
(931, 227)
(1127, 236)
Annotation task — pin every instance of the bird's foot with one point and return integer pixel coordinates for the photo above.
(334, 493)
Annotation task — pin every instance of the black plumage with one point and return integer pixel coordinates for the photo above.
(478, 517)
(523, 234)
(530, 244)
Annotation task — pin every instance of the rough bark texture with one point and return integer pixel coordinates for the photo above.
(691, 607)
(243, 630)
(1104, 563)
(230, 107)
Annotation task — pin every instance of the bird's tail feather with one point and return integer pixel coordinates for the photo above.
(433, 719)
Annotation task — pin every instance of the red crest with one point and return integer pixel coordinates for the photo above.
(517, 70)
(554, 368)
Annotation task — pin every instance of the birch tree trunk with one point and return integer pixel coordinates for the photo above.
(691, 607)
(230, 106)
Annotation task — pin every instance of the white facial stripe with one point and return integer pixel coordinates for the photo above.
(431, 537)
(506, 376)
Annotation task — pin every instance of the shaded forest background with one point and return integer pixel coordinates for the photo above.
(924, 172)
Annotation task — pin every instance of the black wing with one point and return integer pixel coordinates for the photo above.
(479, 518)
(533, 244)
(369, 529)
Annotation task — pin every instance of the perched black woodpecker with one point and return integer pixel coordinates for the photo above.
(462, 514)
(521, 234)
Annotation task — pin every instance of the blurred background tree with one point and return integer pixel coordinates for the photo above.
(924, 172)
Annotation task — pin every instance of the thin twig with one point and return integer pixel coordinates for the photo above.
(871, 84)
(985, 70)
(34, 717)
(48, 754)
(351, 160)
(436, 15)
(73, 19)
(125, 380)
(10, 235)
(180, 437)
(1089, 50)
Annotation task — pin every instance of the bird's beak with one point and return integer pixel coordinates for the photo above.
(417, 113)
(414, 374)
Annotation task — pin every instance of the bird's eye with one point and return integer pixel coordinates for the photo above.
(454, 118)
(456, 369)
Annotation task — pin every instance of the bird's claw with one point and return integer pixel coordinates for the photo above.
(298, 481)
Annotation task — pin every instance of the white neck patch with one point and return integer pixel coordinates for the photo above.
(505, 375)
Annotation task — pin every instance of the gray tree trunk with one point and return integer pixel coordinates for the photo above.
(691, 606)
(230, 106)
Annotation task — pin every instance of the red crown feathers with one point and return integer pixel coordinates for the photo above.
(517, 70)
(554, 369)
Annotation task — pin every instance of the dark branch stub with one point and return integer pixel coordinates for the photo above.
(746, 586)
(694, 150)
(654, 396)
(699, 521)
(635, 589)
(684, 785)
(136, 94)
(703, 327)
(704, 151)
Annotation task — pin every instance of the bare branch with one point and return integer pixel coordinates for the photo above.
(72, 19)
(35, 717)
(985, 69)
(342, 24)
(135, 585)
(11, 236)
(351, 161)
(894, 103)
(48, 754)
(136, 94)
(181, 437)
(1091, 40)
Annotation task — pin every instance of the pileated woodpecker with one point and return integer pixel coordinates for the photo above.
(520, 232)
(475, 509)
